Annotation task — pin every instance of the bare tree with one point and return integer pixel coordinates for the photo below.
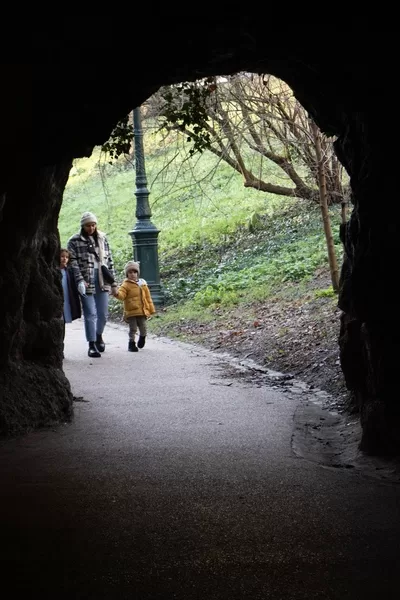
(244, 117)
(252, 122)
(333, 265)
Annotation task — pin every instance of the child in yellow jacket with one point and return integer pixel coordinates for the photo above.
(138, 305)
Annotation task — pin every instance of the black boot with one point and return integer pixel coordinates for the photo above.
(93, 351)
(132, 346)
(100, 345)
(141, 341)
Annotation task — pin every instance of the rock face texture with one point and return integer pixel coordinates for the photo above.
(85, 75)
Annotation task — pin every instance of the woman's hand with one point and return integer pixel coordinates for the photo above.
(82, 285)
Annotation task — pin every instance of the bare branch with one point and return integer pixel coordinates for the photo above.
(245, 117)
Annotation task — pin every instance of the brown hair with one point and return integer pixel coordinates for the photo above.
(64, 250)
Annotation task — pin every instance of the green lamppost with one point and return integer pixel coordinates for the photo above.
(145, 235)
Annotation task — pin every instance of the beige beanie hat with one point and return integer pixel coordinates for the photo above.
(88, 217)
(131, 265)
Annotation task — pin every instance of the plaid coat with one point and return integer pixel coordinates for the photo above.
(82, 261)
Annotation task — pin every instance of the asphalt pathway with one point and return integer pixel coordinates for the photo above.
(174, 481)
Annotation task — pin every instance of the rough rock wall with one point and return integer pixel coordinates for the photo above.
(34, 390)
(370, 327)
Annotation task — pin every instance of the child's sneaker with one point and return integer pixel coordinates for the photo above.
(132, 346)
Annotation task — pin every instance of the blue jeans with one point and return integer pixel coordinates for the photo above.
(95, 311)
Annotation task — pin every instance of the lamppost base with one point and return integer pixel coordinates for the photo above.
(157, 295)
(145, 250)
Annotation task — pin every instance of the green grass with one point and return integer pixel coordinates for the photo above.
(193, 201)
(220, 245)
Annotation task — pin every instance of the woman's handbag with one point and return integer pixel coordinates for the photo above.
(107, 275)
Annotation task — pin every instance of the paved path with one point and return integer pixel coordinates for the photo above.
(176, 482)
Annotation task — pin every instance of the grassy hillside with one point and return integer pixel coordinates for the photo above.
(193, 200)
(220, 244)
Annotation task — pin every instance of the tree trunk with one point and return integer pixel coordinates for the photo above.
(333, 266)
(343, 212)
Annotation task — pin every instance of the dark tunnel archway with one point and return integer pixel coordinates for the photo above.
(65, 106)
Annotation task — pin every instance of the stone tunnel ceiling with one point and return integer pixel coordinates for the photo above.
(104, 70)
